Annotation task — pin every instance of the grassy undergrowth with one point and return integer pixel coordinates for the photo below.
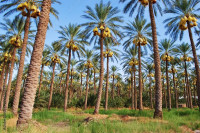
(57, 121)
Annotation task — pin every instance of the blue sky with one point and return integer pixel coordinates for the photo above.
(70, 11)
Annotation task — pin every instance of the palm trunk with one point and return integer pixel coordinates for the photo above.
(95, 91)
(10, 78)
(195, 61)
(96, 111)
(60, 85)
(71, 87)
(135, 92)
(1, 80)
(86, 94)
(132, 92)
(140, 78)
(165, 98)
(81, 85)
(4, 86)
(176, 94)
(151, 101)
(40, 84)
(51, 87)
(34, 68)
(189, 98)
(67, 80)
(113, 85)
(158, 85)
(168, 88)
(107, 84)
(194, 91)
(21, 66)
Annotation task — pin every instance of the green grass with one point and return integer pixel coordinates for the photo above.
(173, 120)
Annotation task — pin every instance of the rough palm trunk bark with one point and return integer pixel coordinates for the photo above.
(158, 85)
(40, 84)
(81, 85)
(176, 94)
(21, 66)
(135, 92)
(151, 101)
(86, 93)
(51, 87)
(4, 86)
(10, 77)
(67, 80)
(140, 78)
(34, 68)
(71, 87)
(168, 88)
(1, 80)
(195, 61)
(113, 85)
(107, 84)
(95, 91)
(132, 92)
(96, 111)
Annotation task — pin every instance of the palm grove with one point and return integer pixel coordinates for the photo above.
(164, 78)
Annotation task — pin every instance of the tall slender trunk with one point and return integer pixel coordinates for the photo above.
(21, 66)
(51, 87)
(96, 111)
(140, 78)
(81, 85)
(60, 85)
(176, 94)
(40, 84)
(34, 68)
(184, 92)
(95, 91)
(113, 85)
(164, 91)
(168, 88)
(194, 91)
(195, 61)
(71, 87)
(67, 80)
(10, 78)
(107, 84)
(1, 79)
(151, 101)
(189, 98)
(132, 92)
(158, 85)
(135, 91)
(4, 86)
(86, 93)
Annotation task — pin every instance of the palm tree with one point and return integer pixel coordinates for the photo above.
(130, 62)
(96, 64)
(105, 18)
(80, 69)
(131, 6)
(29, 10)
(166, 47)
(88, 65)
(138, 32)
(34, 67)
(113, 76)
(13, 29)
(110, 52)
(55, 58)
(71, 39)
(183, 50)
(185, 13)
(44, 63)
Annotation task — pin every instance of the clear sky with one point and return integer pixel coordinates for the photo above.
(70, 11)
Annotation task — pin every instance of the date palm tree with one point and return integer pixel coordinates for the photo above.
(104, 17)
(138, 32)
(72, 41)
(166, 47)
(34, 67)
(184, 15)
(129, 55)
(110, 52)
(154, 6)
(113, 76)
